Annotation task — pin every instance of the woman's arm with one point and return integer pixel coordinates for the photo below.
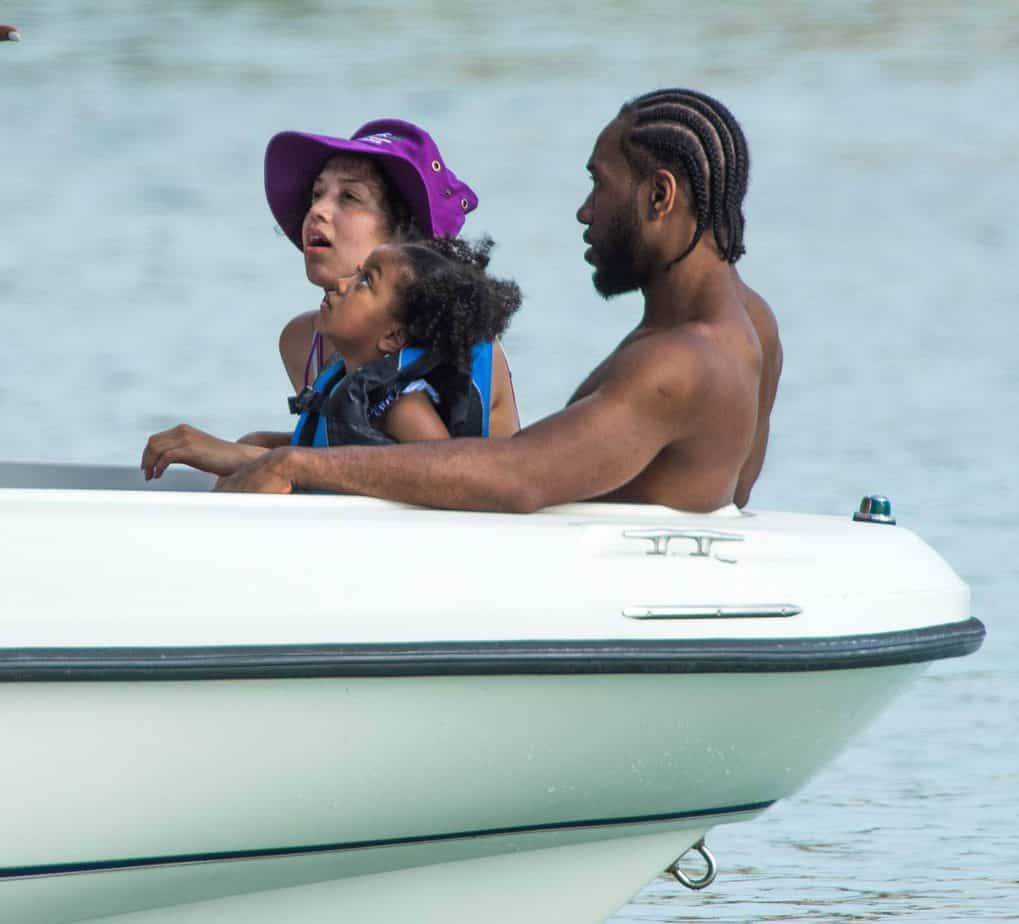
(187, 445)
(412, 419)
(267, 439)
(504, 418)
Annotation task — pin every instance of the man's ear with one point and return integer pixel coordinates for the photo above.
(393, 340)
(664, 194)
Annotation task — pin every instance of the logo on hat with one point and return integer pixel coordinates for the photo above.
(381, 138)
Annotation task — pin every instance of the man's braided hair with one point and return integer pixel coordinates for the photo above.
(693, 136)
(450, 304)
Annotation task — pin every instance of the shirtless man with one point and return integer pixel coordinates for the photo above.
(678, 413)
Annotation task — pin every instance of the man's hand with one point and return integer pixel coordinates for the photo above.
(196, 448)
(266, 475)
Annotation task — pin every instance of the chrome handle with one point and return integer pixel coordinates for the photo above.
(660, 538)
(712, 611)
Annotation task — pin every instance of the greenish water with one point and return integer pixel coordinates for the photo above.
(142, 283)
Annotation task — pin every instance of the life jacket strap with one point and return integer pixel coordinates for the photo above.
(307, 400)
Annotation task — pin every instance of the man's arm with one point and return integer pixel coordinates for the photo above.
(588, 449)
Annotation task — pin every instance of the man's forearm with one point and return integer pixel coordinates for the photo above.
(584, 451)
(462, 474)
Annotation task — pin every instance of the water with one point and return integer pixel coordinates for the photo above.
(142, 284)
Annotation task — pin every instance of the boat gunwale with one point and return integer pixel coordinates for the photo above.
(487, 658)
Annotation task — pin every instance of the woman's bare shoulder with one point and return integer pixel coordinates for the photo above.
(297, 333)
(295, 345)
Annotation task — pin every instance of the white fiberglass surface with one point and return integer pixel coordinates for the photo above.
(88, 568)
(189, 768)
(566, 883)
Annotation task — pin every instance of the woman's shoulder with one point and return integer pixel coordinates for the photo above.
(296, 341)
(297, 333)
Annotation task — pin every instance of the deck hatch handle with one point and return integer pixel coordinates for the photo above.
(712, 611)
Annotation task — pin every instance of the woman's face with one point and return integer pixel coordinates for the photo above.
(346, 220)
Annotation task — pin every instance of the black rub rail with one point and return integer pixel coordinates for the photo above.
(436, 659)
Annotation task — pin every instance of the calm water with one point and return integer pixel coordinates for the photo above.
(142, 283)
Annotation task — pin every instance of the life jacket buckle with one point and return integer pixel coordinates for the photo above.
(298, 404)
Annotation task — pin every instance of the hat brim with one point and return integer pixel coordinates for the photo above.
(294, 159)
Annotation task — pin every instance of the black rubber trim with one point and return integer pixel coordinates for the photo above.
(61, 869)
(416, 659)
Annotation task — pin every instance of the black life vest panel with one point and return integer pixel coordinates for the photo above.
(339, 409)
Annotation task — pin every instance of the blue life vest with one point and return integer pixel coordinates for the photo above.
(339, 409)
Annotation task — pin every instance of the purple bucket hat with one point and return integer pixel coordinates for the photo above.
(410, 158)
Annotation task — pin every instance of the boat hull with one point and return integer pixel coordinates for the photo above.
(571, 884)
(226, 708)
(202, 790)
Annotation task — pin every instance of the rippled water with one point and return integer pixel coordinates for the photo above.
(141, 283)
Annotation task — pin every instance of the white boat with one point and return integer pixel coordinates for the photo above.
(226, 708)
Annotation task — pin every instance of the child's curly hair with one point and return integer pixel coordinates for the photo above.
(450, 304)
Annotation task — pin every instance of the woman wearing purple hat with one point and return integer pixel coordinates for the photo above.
(338, 198)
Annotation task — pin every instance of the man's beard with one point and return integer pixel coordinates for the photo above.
(618, 260)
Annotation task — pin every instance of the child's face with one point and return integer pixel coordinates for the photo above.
(346, 220)
(358, 312)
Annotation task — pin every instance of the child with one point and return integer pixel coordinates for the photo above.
(431, 295)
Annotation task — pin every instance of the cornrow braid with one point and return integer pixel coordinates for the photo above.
(690, 133)
(450, 304)
(738, 176)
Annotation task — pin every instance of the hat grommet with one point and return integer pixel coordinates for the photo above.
(436, 166)
(464, 204)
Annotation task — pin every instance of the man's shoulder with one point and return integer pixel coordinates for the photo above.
(668, 348)
(762, 317)
(668, 364)
(691, 347)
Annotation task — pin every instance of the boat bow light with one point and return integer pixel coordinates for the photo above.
(875, 508)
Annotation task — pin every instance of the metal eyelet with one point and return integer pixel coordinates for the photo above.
(447, 193)
(436, 166)
(464, 204)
